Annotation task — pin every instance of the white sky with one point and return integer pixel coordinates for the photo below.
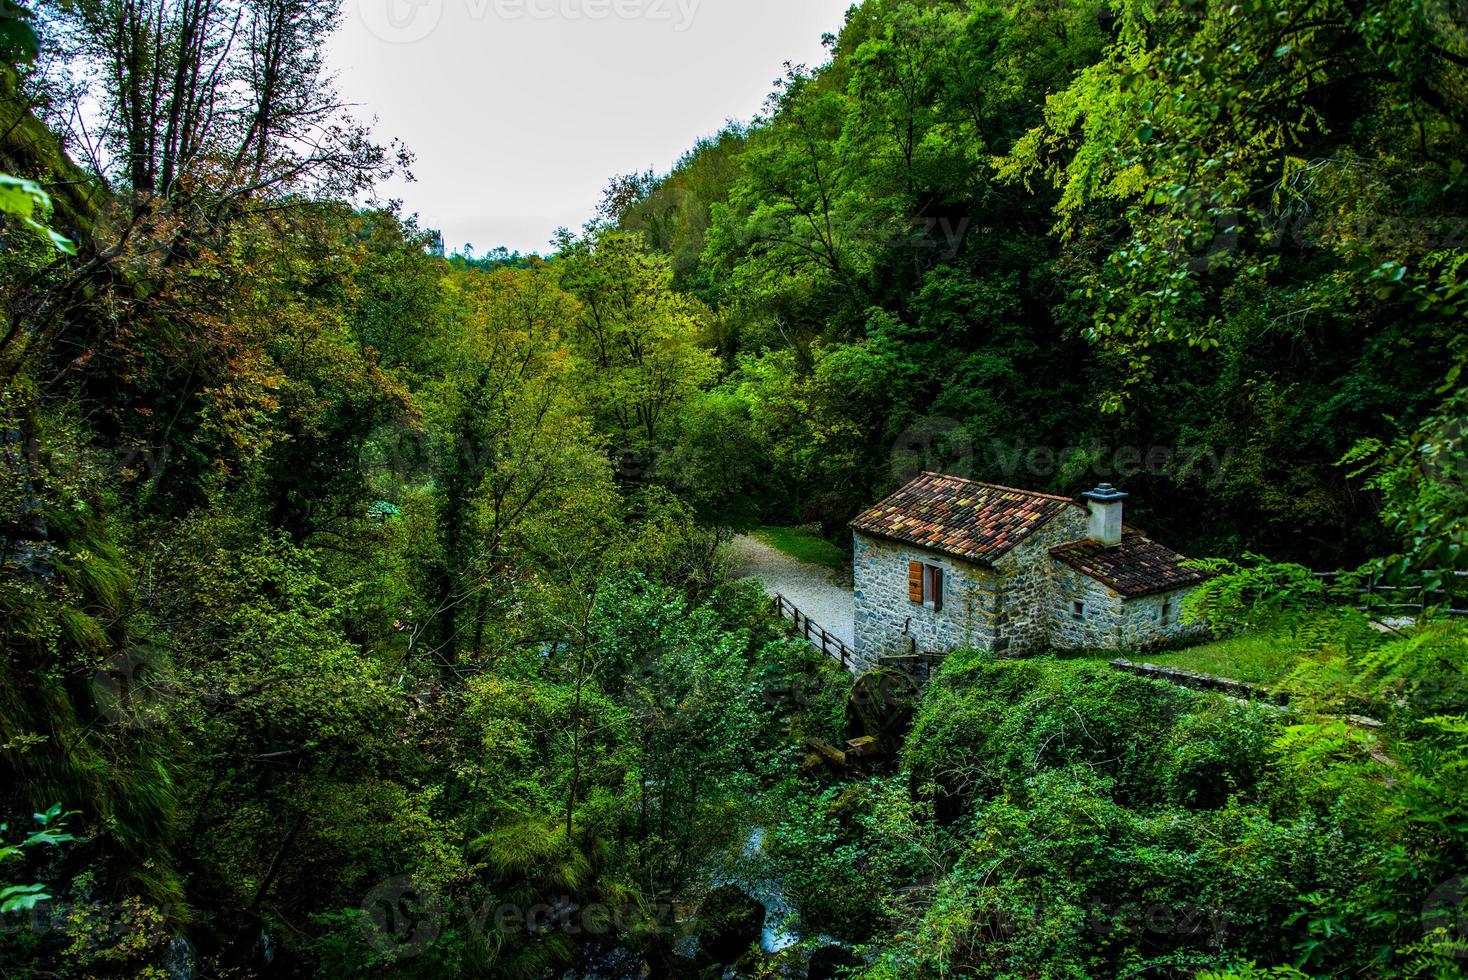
(519, 111)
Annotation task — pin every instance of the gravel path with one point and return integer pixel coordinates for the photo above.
(813, 588)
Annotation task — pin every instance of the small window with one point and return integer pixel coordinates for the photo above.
(1078, 610)
(933, 587)
(1166, 614)
(925, 584)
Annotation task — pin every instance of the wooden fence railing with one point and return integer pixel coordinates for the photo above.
(1376, 596)
(815, 634)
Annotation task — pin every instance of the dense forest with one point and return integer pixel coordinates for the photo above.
(369, 612)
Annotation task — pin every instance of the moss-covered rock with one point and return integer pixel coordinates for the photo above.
(729, 922)
(830, 962)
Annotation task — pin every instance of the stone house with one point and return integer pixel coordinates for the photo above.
(946, 563)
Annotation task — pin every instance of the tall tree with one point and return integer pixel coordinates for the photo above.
(640, 344)
(229, 96)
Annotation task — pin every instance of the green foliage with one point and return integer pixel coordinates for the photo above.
(1253, 972)
(1241, 85)
(1411, 681)
(18, 39)
(640, 343)
(1422, 476)
(1259, 590)
(1247, 227)
(717, 463)
(23, 199)
(987, 725)
(674, 214)
(852, 854)
(1093, 823)
(328, 564)
(1215, 753)
(23, 898)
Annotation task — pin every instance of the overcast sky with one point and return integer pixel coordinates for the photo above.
(520, 110)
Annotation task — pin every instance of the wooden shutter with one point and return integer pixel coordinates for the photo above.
(915, 581)
(937, 587)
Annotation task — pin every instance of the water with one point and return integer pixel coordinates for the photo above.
(782, 922)
(750, 873)
(605, 963)
(181, 961)
(756, 879)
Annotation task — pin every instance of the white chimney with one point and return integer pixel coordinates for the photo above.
(1105, 503)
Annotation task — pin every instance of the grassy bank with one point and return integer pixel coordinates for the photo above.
(803, 544)
(1255, 658)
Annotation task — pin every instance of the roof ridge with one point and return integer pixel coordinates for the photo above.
(1000, 486)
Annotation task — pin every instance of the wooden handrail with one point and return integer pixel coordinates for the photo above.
(832, 646)
(1376, 595)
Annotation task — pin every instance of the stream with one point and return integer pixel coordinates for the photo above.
(752, 875)
(782, 922)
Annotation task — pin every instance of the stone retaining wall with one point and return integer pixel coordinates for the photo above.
(1203, 682)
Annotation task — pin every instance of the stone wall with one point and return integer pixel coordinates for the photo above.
(1144, 623)
(1103, 613)
(887, 622)
(1026, 602)
(1111, 622)
(1029, 589)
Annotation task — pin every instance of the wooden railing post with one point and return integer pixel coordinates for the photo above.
(831, 646)
(1373, 595)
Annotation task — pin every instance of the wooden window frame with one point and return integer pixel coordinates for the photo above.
(1078, 611)
(925, 585)
(933, 587)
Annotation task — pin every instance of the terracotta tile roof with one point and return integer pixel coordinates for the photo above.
(977, 522)
(1138, 566)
